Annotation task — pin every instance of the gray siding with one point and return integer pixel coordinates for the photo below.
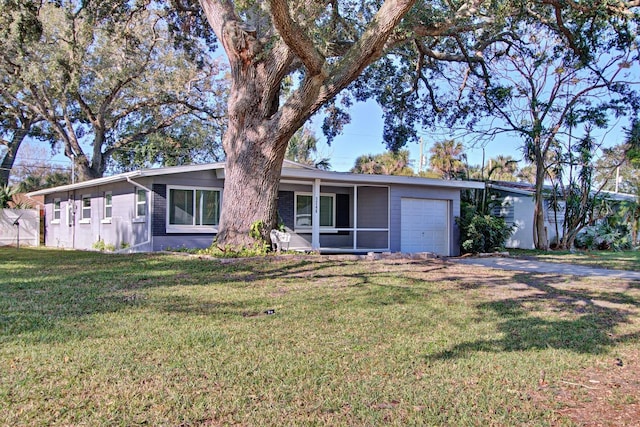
(285, 208)
(450, 194)
(159, 203)
(72, 231)
(163, 240)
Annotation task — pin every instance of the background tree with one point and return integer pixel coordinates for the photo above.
(35, 161)
(189, 140)
(527, 173)
(303, 148)
(573, 193)
(387, 163)
(16, 121)
(396, 52)
(499, 168)
(621, 163)
(43, 180)
(502, 168)
(447, 159)
(543, 94)
(104, 75)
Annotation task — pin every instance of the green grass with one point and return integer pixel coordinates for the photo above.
(96, 339)
(622, 260)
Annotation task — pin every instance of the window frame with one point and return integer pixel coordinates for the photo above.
(137, 216)
(56, 209)
(193, 227)
(310, 226)
(85, 219)
(106, 219)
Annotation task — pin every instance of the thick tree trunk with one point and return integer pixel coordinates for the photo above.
(254, 146)
(10, 156)
(252, 177)
(85, 170)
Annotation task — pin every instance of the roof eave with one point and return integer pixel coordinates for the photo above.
(377, 179)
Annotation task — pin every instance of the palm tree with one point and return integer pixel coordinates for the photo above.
(303, 149)
(447, 159)
(503, 168)
(387, 163)
(527, 174)
(6, 195)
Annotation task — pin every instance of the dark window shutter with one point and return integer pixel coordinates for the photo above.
(342, 211)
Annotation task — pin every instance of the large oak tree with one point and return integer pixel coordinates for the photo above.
(396, 51)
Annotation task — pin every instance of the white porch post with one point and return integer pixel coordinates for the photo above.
(355, 217)
(315, 215)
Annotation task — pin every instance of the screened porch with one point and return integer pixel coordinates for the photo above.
(335, 217)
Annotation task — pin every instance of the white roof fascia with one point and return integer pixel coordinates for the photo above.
(86, 184)
(126, 176)
(510, 190)
(296, 172)
(342, 177)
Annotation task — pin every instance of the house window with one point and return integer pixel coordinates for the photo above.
(56, 211)
(303, 213)
(193, 209)
(503, 208)
(108, 205)
(141, 202)
(85, 213)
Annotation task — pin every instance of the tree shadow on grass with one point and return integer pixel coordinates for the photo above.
(45, 294)
(564, 317)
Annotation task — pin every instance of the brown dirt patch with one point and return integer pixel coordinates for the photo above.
(607, 394)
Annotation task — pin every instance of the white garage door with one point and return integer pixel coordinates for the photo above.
(424, 226)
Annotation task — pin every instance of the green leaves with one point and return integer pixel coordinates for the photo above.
(483, 233)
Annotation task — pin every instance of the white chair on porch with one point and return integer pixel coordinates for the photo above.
(279, 239)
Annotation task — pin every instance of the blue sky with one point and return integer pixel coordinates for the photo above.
(364, 136)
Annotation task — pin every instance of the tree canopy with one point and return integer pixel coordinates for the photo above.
(100, 76)
(387, 163)
(303, 148)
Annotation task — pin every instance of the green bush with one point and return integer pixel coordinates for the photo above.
(604, 237)
(483, 233)
(102, 246)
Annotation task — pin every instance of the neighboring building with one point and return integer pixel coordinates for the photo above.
(156, 209)
(514, 201)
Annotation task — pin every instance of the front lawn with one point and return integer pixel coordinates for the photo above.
(94, 339)
(622, 260)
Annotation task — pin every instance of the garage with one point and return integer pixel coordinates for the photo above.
(425, 225)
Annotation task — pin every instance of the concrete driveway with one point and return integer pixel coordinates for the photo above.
(533, 266)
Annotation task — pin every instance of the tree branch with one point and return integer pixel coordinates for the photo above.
(369, 48)
(295, 37)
